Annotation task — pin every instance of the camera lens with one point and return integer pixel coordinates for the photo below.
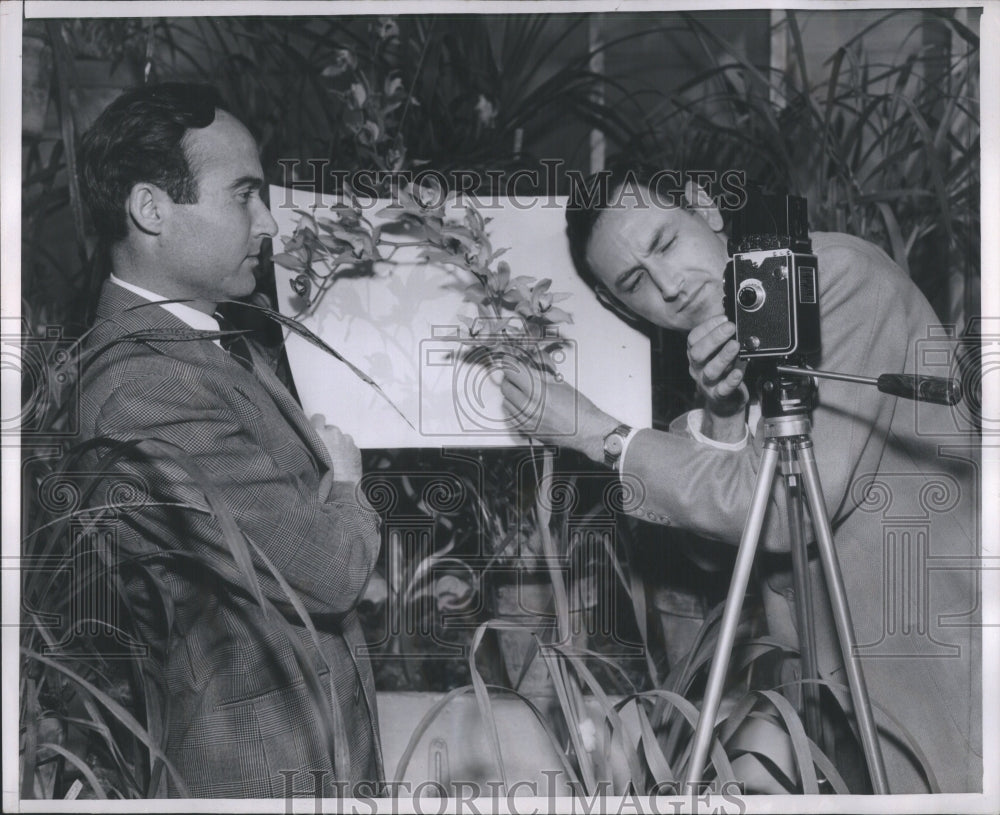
(751, 295)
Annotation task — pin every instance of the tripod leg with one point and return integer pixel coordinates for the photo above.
(842, 617)
(731, 613)
(803, 593)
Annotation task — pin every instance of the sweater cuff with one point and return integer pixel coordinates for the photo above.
(625, 443)
(694, 420)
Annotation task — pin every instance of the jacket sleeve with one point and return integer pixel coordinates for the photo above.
(196, 452)
(680, 481)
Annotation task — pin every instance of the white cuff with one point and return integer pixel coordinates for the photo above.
(625, 443)
(694, 420)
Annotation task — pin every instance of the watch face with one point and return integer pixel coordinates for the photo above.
(613, 445)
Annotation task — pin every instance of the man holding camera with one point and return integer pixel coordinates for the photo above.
(659, 258)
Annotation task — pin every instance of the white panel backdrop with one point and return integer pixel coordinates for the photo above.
(399, 325)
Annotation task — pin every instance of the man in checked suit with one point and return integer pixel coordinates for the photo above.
(267, 691)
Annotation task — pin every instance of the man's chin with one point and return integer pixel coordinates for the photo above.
(244, 284)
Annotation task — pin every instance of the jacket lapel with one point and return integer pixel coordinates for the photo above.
(291, 410)
(130, 313)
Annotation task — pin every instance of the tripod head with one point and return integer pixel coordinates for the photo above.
(787, 393)
(783, 393)
(785, 388)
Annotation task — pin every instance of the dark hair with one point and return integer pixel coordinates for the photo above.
(138, 137)
(605, 189)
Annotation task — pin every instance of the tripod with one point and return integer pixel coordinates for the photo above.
(786, 404)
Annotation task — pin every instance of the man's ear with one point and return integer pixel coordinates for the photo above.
(147, 207)
(701, 202)
(608, 300)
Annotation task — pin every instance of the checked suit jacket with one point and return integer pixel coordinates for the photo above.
(220, 443)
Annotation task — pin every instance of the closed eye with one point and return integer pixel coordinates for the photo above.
(663, 249)
(631, 283)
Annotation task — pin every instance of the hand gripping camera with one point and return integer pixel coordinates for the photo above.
(771, 286)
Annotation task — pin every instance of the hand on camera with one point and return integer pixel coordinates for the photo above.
(553, 411)
(715, 366)
(344, 453)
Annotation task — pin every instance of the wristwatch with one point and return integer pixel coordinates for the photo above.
(614, 443)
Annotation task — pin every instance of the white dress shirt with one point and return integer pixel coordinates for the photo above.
(182, 311)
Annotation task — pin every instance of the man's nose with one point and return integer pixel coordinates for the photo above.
(264, 223)
(668, 282)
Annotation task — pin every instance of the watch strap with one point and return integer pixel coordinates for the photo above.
(611, 458)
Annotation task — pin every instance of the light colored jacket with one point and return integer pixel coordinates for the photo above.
(904, 504)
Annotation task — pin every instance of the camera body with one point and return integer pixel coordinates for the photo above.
(771, 285)
(459, 394)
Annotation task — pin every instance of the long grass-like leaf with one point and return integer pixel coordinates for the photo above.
(571, 713)
(115, 709)
(309, 336)
(828, 769)
(80, 764)
(899, 247)
(619, 731)
(659, 767)
(636, 591)
(30, 713)
(800, 742)
(543, 514)
(483, 696)
(690, 713)
(890, 725)
(97, 720)
(800, 52)
(231, 533)
(933, 162)
(970, 37)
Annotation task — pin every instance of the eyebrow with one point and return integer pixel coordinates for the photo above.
(247, 180)
(653, 243)
(657, 237)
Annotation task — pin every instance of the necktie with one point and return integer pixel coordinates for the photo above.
(235, 344)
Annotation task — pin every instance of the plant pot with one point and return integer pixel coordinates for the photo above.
(682, 614)
(527, 601)
(452, 748)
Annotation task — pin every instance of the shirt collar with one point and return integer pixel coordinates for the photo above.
(182, 311)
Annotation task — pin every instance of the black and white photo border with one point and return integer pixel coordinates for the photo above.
(12, 16)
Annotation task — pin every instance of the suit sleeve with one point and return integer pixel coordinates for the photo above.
(325, 547)
(680, 481)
